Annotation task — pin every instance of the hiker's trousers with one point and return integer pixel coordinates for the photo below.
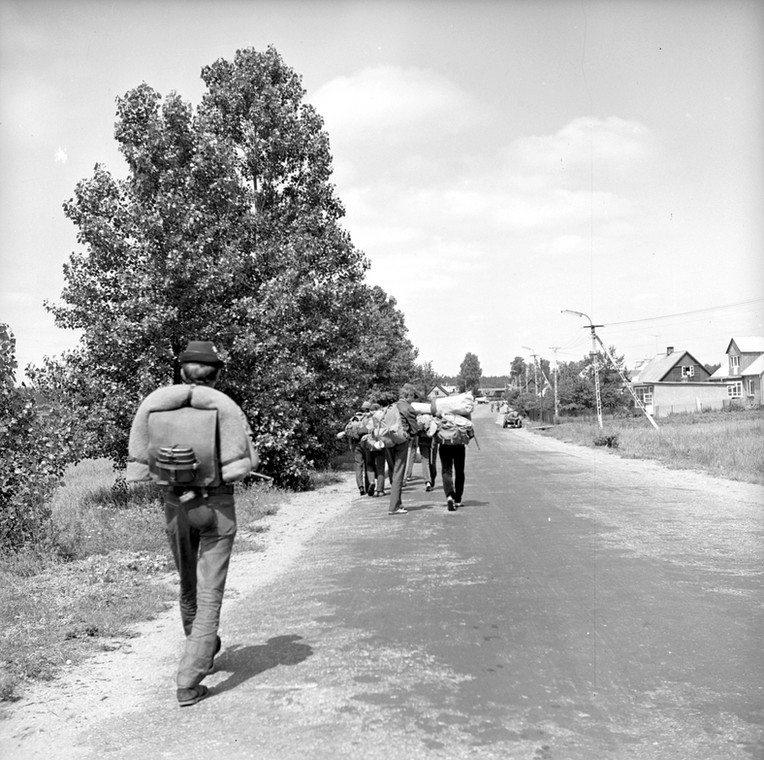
(201, 535)
(452, 470)
(399, 452)
(361, 466)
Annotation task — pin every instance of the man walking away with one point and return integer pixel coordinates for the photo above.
(194, 441)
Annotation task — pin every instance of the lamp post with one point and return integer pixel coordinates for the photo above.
(556, 402)
(595, 361)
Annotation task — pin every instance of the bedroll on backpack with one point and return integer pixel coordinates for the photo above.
(454, 430)
(183, 448)
(386, 428)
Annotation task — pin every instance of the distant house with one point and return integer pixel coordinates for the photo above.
(742, 371)
(675, 382)
(440, 391)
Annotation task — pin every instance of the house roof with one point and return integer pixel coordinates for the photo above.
(750, 345)
(757, 368)
(657, 368)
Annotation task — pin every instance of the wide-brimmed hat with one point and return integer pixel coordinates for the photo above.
(203, 352)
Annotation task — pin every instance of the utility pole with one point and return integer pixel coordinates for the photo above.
(595, 362)
(556, 403)
(536, 380)
(596, 340)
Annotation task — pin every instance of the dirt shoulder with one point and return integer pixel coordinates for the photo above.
(47, 721)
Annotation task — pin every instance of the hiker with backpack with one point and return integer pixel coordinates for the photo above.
(399, 451)
(195, 442)
(378, 459)
(454, 433)
(355, 431)
(427, 447)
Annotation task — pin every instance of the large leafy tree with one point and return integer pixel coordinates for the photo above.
(470, 373)
(226, 228)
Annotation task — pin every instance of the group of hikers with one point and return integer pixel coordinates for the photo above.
(383, 454)
(195, 442)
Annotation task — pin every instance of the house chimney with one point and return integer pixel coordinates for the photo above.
(669, 350)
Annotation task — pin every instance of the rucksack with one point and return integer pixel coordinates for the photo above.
(358, 426)
(386, 427)
(454, 430)
(183, 448)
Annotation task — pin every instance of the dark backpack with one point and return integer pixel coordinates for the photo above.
(183, 448)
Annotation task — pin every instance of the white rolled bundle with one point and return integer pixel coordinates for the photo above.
(461, 404)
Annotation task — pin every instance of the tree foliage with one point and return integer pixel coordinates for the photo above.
(226, 228)
(470, 373)
(575, 385)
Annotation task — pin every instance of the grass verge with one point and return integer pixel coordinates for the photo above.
(106, 566)
(725, 444)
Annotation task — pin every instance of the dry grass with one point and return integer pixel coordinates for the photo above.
(106, 566)
(725, 444)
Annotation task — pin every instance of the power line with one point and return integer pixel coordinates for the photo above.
(686, 313)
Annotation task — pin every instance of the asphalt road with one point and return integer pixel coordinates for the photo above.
(577, 607)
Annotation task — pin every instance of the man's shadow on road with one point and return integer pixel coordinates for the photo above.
(247, 662)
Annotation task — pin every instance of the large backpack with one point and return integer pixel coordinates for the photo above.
(454, 430)
(358, 426)
(386, 427)
(183, 448)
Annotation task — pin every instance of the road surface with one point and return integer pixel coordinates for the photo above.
(577, 607)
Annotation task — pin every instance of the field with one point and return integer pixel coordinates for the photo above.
(725, 444)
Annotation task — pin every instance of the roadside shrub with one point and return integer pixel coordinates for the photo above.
(609, 440)
(34, 448)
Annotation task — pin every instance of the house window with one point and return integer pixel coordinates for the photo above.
(688, 371)
(735, 390)
(644, 394)
(749, 386)
(734, 365)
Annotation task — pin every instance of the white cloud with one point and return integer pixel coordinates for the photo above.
(586, 150)
(391, 99)
(61, 156)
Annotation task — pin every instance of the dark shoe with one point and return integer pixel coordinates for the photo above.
(450, 504)
(399, 511)
(458, 504)
(370, 490)
(188, 697)
(428, 486)
(362, 492)
(218, 644)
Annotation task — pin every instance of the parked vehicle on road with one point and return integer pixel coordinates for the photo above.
(512, 420)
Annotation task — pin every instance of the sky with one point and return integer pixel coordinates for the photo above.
(500, 162)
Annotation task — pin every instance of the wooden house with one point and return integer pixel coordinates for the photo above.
(742, 371)
(675, 382)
